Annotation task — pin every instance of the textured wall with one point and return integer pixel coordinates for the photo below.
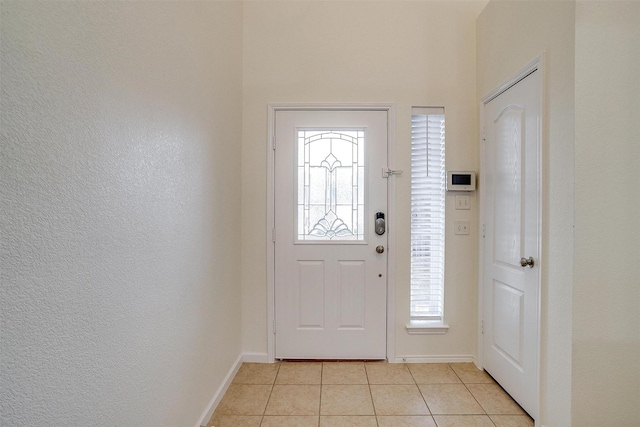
(120, 210)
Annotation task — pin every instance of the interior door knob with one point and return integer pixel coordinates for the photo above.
(380, 249)
(527, 262)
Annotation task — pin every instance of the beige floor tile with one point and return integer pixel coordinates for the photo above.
(346, 400)
(343, 373)
(470, 374)
(300, 373)
(494, 399)
(406, 421)
(235, 421)
(512, 420)
(433, 373)
(388, 373)
(256, 373)
(290, 421)
(449, 399)
(348, 421)
(463, 421)
(244, 399)
(398, 400)
(294, 400)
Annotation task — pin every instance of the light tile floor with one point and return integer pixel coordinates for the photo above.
(376, 394)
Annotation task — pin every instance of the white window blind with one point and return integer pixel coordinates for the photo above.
(428, 179)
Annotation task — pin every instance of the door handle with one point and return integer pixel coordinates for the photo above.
(380, 249)
(527, 262)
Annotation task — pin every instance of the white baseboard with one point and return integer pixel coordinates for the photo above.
(217, 396)
(250, 357)
(453, 358)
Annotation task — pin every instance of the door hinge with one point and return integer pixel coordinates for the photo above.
(273, 235)
(483, 230)
(482, 326)
(274, 326)
(483, 134)
(273, 143)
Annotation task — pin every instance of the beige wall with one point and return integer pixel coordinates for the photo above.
(120, 127)
(606, 296)
(406, 53)
(510, 34)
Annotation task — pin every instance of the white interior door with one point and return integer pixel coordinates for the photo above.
(330, 265)
(512, 240)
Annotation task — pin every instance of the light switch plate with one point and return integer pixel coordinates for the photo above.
(461, 227)
(463, 202)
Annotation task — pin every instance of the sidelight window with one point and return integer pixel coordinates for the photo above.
(428, 178)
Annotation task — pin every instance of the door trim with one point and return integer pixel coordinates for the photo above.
(538, 64)
(273, 108)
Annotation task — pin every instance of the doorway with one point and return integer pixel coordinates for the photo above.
(330, 243)
(512, 236)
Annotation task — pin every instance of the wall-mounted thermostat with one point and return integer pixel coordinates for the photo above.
(461, 181)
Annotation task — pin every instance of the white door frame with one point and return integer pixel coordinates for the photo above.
(536, 64)
(391, 209)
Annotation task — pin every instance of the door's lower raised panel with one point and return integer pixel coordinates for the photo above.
(311, 290)
(352, 294)
(507, 322)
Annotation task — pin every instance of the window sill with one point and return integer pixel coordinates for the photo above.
(426, 327)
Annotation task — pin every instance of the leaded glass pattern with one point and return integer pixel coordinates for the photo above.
(330, 184)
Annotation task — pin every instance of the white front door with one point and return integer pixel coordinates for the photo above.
(330, 264)
(512, 240)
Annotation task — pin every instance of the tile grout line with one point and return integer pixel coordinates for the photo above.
(422, 395)
(270, 393)
(472, 395)
(320, 400)
(373, 405)
(469, 391)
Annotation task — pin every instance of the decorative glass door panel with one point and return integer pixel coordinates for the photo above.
(330, 185)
